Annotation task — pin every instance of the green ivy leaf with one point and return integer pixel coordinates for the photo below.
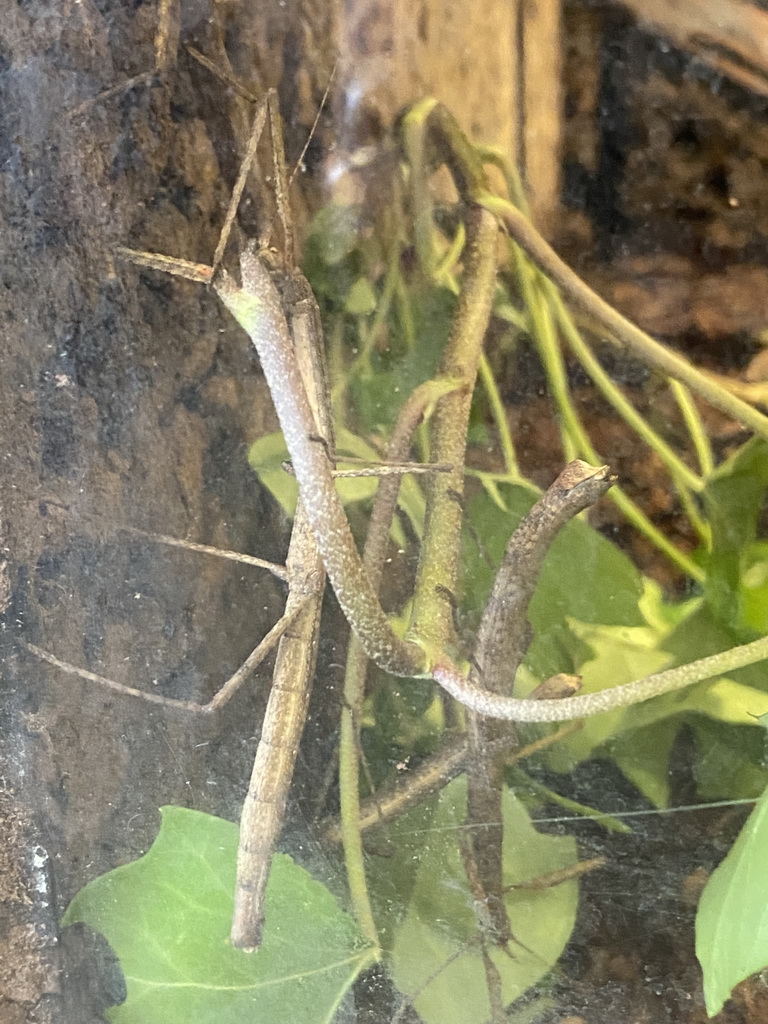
(640, 738)
(332, 258)
(733, 500)
(754, 587)
(429, 938)
(732, 702)
(732, 919)
(167, 917)
(731, 761)
(394, 372)
(266, 457)
(619, 654)
(643, 756)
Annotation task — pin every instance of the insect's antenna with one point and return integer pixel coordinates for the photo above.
(313, 129)
(282, 181)
(222, 74)
(237, 192)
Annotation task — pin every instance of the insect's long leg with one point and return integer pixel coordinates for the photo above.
(165, 46)
(167, 34)
(281, 188)
(266, 107)
(205, 549)
(259, 121)
(221, 697)
(434, 773)
(263, 811)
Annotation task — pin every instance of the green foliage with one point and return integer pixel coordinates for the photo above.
(734, 498)
(432, 934)
(593, 613)
(167, 916)
(415, 338)
(732, 919)
(333, 260)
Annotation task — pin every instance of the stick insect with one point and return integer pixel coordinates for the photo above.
(296, 633)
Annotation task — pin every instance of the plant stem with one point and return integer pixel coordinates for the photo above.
(502, 641)
(641, 344)
(576, 438)
(684, 478)
(681, 473)
(500, 419)
(432, 617)
(695, 427)
(586, 705)
(415, 407)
